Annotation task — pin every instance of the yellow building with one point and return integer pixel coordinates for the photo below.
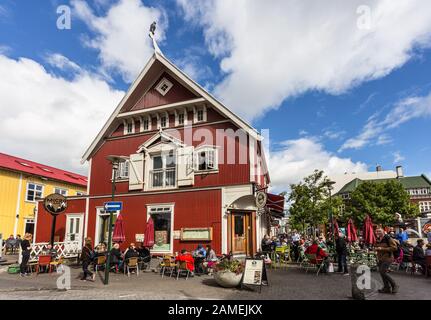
(22, 182)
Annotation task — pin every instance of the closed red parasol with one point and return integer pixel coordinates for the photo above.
(351, 231)
(118, 234)
(149, 234)
(336, 228)
(369, 237)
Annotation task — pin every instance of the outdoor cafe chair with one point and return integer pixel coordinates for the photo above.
(131, 264)
(167, 265)
(281, 256)
(99, 262)
(58, 263)
(43, 261)
(313, 263)
(182, 268)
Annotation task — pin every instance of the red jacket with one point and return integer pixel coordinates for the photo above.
(190, 262)
(315, 249)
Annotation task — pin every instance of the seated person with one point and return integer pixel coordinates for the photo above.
(131, 252)
(144, 253)
(407, 249)
(199, 254)
(266, 244)
(211, 259)
(188, 258)
(321, 255)
(49, 250)
(419, 255)
(116, 260)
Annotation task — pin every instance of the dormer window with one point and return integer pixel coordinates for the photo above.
(164, 86)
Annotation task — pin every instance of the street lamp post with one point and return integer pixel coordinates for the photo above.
(115, 161)
(331, 218)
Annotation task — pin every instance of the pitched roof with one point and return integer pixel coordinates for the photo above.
(421, 181)
(187, 81)
(9, 162)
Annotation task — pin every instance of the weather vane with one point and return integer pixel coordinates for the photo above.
(152, 36)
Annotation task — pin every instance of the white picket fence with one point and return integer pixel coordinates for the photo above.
(70, 249)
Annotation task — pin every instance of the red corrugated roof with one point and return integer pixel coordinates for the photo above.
(38, 169)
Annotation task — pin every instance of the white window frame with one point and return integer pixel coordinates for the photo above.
(177, 117)
(424, 206)
(171, 207)
(162, 83)
(100, 211)
(126, 126)
(61, 189)
(195, 114)
(35, 196)
(159, 120)
(143, 120)
(120, 172)
(205, 149)
(163, 155)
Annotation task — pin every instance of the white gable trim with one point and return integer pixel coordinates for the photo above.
(192, 84)
(160, 134)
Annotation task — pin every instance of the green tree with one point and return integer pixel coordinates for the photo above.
(381, 200)
(310, 203)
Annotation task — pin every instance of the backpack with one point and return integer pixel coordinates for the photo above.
(397, 252)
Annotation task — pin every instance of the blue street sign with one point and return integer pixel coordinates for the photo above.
(113, 206)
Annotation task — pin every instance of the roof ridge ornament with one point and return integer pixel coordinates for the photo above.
(152, 36)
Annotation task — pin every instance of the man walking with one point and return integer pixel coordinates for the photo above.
(385, 247)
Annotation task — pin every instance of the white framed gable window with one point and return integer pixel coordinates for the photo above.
(123, 171)
(163, 120)
(199, 114)
(206, 159)
(33, 192)
(163, 173)
(129, 126)
(61, 191)
(181, 118)
(164, 86)
(145, 123)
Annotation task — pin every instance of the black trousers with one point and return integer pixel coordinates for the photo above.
(388, 282)
(24, 262)
(342, 263)
(87, 272)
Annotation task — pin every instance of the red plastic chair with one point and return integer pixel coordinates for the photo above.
(43, 261)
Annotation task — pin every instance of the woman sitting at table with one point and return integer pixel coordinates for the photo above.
(321, 255)
(144, 253)
(210, 260)
(116, 260)
(199, 254)
(188, 259)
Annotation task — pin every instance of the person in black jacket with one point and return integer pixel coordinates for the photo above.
(341, 248)
(26, 247)
(87, 259)
(419, 255)
(116, 260)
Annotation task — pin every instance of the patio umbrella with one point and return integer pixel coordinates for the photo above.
(118, 234)
(369, 236)
(351, 231)
(149, 234)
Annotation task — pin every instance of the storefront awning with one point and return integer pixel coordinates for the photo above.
(275, 205)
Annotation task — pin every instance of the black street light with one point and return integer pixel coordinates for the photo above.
(115, 161)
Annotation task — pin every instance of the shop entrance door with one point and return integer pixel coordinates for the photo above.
(240, 233)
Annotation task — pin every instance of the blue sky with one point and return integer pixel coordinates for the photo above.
(333, 102)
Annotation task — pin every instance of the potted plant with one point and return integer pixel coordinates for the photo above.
(228, 273)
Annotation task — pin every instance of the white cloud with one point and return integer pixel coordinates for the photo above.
(277, 49)
(299, 158)
(121, 37)
(49, 119)
(61, 62)
(398, 157)
(375, 129)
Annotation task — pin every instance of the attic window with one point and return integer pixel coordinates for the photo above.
(45, 169)
(164, 86)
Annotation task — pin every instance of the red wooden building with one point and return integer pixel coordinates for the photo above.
(194, 167)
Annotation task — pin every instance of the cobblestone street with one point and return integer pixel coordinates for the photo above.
(283, 285)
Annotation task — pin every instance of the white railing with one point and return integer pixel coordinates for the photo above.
(68, 249)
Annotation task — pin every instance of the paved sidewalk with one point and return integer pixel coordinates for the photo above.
(284, 285)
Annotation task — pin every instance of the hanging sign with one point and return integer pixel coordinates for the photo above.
(261, 198)
(55, 203)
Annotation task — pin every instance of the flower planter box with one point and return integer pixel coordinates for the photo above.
(227, 279)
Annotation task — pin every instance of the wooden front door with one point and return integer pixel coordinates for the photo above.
(240, 233)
